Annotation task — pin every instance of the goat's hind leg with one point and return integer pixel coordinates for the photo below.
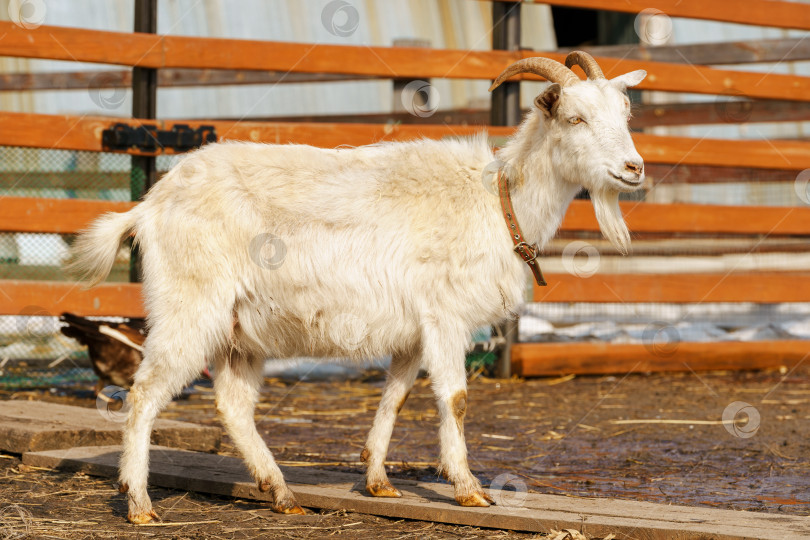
(237, 379)
(404, 368)
(163, 374)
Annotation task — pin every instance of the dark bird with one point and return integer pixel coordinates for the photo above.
(115, 349)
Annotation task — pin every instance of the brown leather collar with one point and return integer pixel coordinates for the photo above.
(527, 253)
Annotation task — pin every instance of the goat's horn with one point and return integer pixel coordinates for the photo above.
(586, 62)
(545, 67)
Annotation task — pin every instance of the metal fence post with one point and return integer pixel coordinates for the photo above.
(144, 105)
(505, 111)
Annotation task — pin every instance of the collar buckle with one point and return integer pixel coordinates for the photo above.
(528, 252)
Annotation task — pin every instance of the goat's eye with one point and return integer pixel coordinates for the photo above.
(574, 120)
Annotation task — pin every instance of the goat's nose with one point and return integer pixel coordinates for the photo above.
(635, 167)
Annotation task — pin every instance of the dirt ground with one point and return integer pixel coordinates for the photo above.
(657, 438)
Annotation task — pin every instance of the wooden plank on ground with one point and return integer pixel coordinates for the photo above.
(223, 475)
(54, 297)
(60, 43)
(663, 353)
(27, 426)
(765, 287)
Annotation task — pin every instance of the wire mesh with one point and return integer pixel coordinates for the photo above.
(33, 352)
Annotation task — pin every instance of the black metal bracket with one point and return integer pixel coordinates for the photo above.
(149, 138)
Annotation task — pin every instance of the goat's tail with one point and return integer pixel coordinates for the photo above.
(93, 253)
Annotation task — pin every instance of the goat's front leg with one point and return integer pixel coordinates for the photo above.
(237, 378)
(404, 368)
(444, 354)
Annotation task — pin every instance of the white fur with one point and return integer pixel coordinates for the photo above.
(253, 251)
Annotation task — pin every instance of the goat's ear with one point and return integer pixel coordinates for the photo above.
(548, 99)
(623, 82)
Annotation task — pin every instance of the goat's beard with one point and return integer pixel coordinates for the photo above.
(609, 216)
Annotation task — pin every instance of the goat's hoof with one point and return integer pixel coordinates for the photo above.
(143, 517)
(476, 498)
(383, 489)
(288, 507)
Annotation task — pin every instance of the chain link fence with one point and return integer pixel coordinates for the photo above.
(33, 352)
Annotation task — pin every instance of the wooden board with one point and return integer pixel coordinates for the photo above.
(84, 133)
(730, 52)
(40, 214)
(122, 78)
(711, 219)
(645, 115)
(69, 180)
(659, 173)
(124, 299)
(756, 12)
(55, 297)
(27, 426)
(765, 287)
(59, 43)
(551, 359)
(65, 216)
(222, 475)
(719, 111)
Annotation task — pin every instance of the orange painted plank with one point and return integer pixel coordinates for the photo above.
(55, 297)
(395, 62)
(762, 154)
(551, 359)
(84, 133)
(696, 218)
(756, 12)
(767, 287)
(35, 214)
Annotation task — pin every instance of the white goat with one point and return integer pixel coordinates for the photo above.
(394, 248)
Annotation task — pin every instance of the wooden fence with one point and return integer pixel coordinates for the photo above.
(778, 160)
